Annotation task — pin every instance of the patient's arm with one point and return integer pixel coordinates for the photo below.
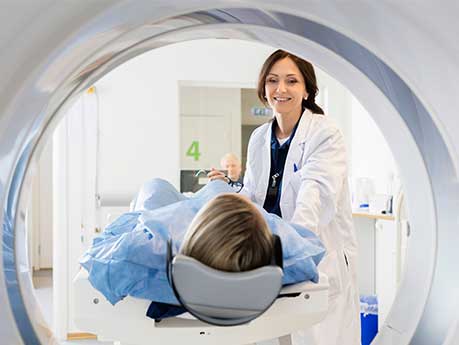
(154, 194)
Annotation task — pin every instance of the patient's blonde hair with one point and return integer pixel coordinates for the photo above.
(229, 234)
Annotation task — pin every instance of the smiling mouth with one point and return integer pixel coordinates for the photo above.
(282, 99)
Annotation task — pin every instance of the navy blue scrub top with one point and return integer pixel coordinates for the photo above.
(278, 157)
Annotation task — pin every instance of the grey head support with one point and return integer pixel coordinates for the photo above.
(224, 298)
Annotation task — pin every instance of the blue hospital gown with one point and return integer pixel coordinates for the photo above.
(129, 257)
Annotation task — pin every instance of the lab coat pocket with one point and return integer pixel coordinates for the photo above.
(296, 179)
(351, 272)
(290, 195)
(295, 184)
(331, 265)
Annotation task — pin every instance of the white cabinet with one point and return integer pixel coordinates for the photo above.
(386, 265)
(382, 244)
(366, 263)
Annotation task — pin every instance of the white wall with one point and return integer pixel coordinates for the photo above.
(74, 203)
(336, 100)
(371, 156)
(40, 213)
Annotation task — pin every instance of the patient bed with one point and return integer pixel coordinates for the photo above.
(299, 306)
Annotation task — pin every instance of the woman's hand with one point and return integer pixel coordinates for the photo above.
(215, 174)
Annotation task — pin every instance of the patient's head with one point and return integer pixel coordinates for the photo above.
(229, 234)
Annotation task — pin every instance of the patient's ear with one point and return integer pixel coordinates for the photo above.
(277, 258)
(169, 258)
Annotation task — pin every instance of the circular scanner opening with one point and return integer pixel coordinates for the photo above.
(400, 115)
(219, 72)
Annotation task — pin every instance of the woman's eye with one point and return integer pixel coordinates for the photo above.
(292, 81)
(271, 80)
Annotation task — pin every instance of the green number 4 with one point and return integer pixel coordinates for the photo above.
(193, 150)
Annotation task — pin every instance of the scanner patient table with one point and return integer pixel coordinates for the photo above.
(298, 307)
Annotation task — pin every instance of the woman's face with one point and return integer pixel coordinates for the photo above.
(285, 87)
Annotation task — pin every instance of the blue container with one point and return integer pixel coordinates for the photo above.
(368, 318)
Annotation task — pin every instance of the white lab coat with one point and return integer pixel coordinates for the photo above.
(317, 197)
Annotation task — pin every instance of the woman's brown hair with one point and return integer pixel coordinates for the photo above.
(307, 71)
(229, 234)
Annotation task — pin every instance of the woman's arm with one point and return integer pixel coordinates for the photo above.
(322, 178)
(249, 178)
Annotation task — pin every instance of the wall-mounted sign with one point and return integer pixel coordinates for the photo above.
(261, 111)
(193, 150)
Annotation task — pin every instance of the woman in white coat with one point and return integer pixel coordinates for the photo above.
(296, 168)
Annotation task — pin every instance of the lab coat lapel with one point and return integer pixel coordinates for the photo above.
(296, 150)
(263, 159)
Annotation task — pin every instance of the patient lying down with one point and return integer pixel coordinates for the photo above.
(216, 226)
(229, 234)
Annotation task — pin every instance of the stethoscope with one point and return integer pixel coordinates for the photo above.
(235, 184)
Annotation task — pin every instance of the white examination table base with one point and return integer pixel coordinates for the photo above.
(126, 321)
